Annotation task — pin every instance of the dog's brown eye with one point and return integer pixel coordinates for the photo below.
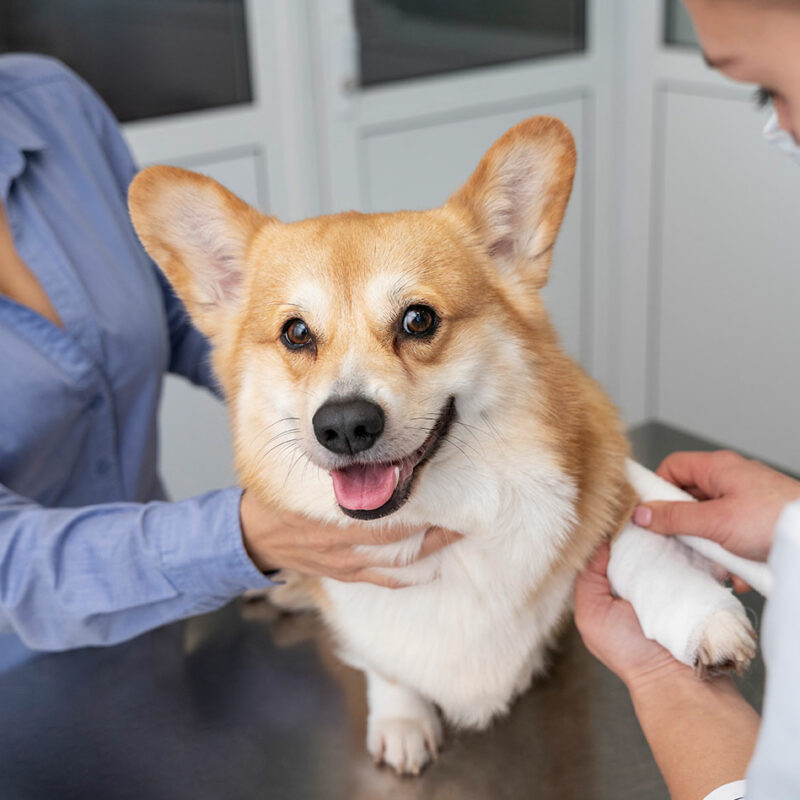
(419, 321)
(296, 334)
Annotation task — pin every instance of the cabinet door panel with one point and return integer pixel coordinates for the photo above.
(196, 448)
(728, 273)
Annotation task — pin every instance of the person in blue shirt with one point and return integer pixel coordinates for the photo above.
(91, 553)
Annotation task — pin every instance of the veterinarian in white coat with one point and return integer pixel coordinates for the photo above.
(702, 733)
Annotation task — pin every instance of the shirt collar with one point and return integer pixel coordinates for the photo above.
(18, 139)
(20, 133)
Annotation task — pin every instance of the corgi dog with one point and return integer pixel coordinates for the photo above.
(402, 368)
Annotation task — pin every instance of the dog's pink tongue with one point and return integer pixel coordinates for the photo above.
(364, 486)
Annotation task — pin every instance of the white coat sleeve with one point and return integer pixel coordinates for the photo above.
(774, 772)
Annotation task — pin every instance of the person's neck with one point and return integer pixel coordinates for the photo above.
(16, 279)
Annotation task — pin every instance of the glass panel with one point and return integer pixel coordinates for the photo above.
(146, 58)
(678, 29)
(411, 38)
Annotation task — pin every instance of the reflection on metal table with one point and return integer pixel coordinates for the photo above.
(245, 703)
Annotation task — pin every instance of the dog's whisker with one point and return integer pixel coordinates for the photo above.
(476, 445)
(290, 432)
(473, 429)
(308, 463)
(490, 425)
(288, 443)
(461, 450)
(278, 421)
(285, 453)
(300, 455)
(458, 439)
(265, 448)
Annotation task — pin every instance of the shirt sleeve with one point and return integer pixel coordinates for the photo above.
(730, 791)
(774, 772)
(189, 349)
(102, 574)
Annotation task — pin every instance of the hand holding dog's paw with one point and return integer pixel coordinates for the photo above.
(727, 641)
(406, 744)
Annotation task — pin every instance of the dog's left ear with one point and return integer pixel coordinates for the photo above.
(199, 234)
(518, 194)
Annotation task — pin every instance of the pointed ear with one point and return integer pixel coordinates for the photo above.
(198, 233)
(518, 194)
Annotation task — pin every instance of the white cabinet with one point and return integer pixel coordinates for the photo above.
(708, 255)
(411, 144)
(676, 274)
(244, 148)
(726, 268)
(243, 173)
(419, 167)
(196, 453)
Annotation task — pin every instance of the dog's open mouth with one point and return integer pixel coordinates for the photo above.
(370, 491)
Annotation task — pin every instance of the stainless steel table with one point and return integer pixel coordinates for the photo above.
(243, 704)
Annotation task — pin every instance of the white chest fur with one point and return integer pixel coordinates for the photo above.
(469, 639)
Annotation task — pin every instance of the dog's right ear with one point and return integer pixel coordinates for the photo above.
(198, 233)
(517, 196)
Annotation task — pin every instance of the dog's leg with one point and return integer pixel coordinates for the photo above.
(403, 729)
(292, 592)
(679, 602)
(535, 665)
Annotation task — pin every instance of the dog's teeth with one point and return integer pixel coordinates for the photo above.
(396, 476)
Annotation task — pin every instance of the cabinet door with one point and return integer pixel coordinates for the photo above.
(710, 256)
(196, 452)
(727, 277)
(420, 167)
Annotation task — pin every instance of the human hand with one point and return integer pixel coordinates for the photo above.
(740, 501)
(702, 733)
(610, 630)
(281, 540)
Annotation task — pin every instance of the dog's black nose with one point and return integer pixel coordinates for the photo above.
(348, 426)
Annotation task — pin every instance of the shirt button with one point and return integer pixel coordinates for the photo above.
(102, 466)
(97, 402)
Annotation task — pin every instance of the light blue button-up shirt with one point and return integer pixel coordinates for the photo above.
(89, 551)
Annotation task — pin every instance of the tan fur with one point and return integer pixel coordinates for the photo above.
(480, 261)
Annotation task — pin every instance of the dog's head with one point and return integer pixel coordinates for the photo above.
(366, 346)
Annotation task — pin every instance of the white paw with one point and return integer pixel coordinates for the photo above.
(255, 595)
(726, 641)
(292, 594)
(406, 744)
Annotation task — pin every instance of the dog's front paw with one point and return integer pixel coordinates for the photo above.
(727, 641)
(291, 593)
(406, 744)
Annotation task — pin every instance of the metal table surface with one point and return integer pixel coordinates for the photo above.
(244, 704)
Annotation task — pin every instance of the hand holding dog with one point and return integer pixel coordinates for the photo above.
(276, 539)
(741, 501)
(610, 629)
(702, 733)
